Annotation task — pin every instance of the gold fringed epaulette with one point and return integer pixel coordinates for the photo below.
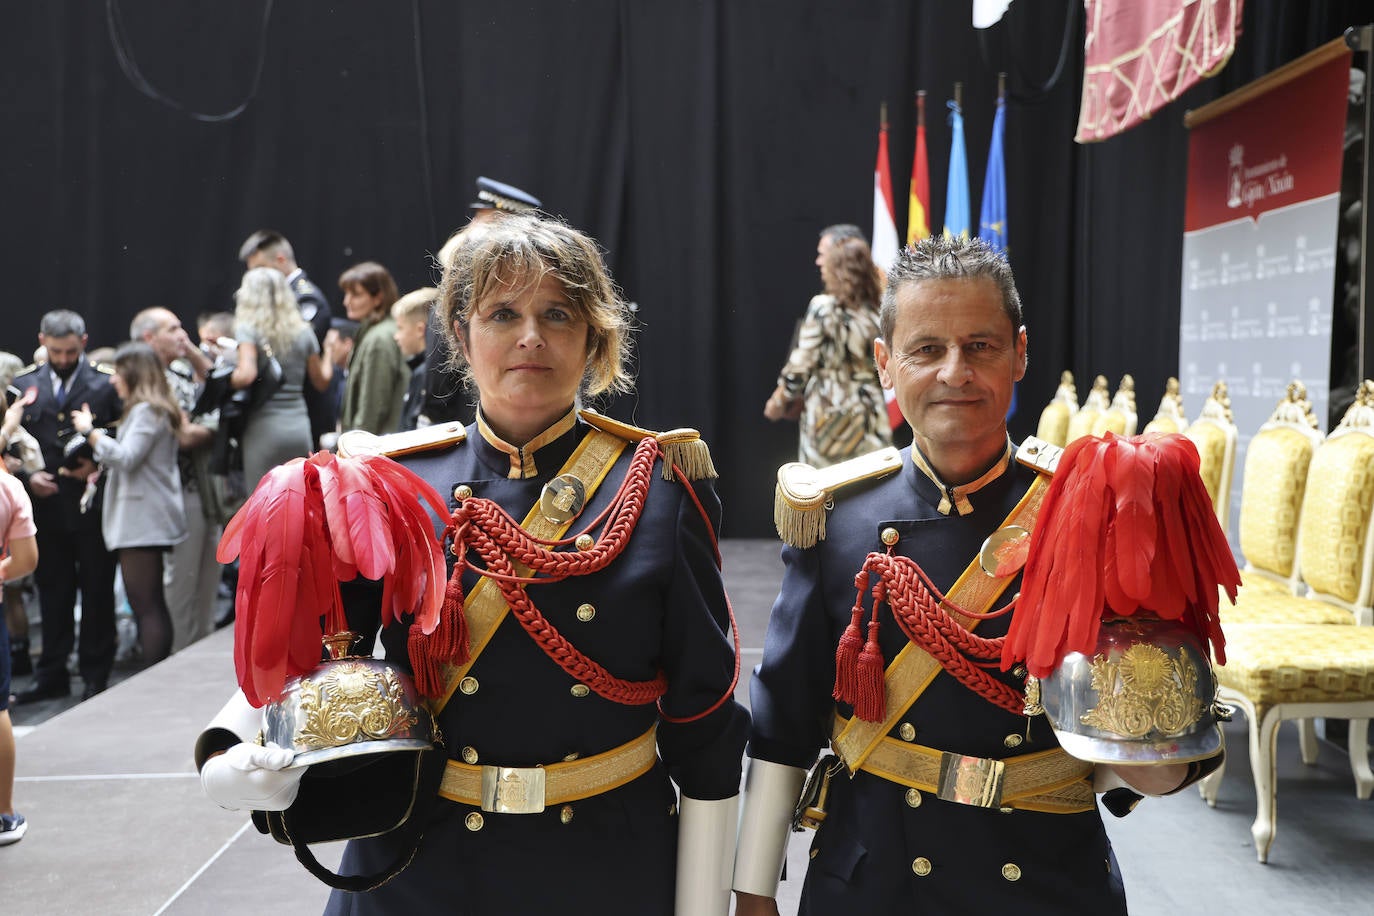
(682, 448)
(358, 442)
(805, 493)
(1040, 455)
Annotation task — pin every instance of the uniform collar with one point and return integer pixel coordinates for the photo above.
(957, 498)
(520, 462)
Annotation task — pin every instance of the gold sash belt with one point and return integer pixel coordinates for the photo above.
(1047, 781)
(528, 790)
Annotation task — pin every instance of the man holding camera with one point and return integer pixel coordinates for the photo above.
(71, 549)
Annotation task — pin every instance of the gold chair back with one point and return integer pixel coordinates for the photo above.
(1054, 419)
(1119, 418)
(1214, 434)
(1098, 400)
(1272, 488)
(1336, 533)
(1169, 418)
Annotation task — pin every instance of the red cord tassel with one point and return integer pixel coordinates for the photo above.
(847, 652)
(424, 667)
(869, 704)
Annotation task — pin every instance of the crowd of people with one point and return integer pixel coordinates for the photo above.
(581, 664)
(127, 461)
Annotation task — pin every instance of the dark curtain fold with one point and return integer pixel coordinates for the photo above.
(703, 143)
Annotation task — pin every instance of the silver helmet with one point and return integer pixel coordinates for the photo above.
(1146, 695)
(349, 706)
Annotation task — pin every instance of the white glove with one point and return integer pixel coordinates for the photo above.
(252, 776)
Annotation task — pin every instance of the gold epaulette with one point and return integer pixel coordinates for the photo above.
(682, 448)
(31, 367)
(105, 368)
(805, 493)
(1039, 455)
(358, 442)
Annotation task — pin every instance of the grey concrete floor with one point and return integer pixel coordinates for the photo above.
(119, 825)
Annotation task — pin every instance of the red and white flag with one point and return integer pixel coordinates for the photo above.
(884, 216)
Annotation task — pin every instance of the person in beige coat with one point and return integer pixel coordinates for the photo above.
(144, 515)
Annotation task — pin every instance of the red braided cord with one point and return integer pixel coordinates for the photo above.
(927, 624)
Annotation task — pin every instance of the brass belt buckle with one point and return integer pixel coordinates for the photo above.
(971, 780)
(513, 790)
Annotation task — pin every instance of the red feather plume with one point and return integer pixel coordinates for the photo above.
(309, 524)
(1126, 527)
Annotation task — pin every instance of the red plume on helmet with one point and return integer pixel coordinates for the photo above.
(311, 523)
(1126, 528)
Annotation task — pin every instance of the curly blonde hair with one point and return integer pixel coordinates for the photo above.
(518, 251)
(266, 304)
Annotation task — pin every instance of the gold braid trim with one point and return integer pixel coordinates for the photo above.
(682, 447)
(804, 493)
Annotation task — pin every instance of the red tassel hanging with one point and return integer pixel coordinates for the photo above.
(847, 653)
(869, 703)
(428, 678)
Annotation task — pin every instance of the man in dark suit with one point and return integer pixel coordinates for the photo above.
(71, 550)
(267, 248)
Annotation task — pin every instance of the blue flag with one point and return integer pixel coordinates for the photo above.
(956, 194)
(992, 222)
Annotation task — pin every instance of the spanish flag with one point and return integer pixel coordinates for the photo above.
(918, 213)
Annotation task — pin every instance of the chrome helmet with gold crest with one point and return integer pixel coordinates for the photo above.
(1118, 604)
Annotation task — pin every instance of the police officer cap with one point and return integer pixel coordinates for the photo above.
(496, 195)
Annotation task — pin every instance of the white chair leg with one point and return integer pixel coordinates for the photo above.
(1307, 740)
(1263, 739)
(1359, 757)
(1210, 784)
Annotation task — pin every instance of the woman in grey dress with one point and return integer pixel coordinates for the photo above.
(266, 316)
(830, 380)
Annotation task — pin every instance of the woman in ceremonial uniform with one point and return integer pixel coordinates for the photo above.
(599, 631)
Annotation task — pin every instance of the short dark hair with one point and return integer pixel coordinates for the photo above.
(267, 240)
(62, 323)
(941, 257)
(841, 231)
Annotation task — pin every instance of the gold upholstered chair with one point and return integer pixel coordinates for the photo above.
(1120, 416)
(1054, 419)
(1214, 434)
(1271, 494)
(1098, 400)
(1336, 528)
(1295, 671)
(1170, 417)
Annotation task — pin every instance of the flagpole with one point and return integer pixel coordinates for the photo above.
(1002, 86)
(920, 108)
(959, 96)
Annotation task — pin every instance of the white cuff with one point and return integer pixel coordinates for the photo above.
(238, 718)
(771, 791)
(706, 833)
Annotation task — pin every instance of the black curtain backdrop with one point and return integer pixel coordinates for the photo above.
(703, 143)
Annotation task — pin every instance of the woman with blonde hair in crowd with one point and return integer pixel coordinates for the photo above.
(830, 380)
(143, 514)
(267, 320)
(374, 394)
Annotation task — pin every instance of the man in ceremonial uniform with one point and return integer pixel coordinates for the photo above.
(71, 549)
(958, 802)
(267, 248)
